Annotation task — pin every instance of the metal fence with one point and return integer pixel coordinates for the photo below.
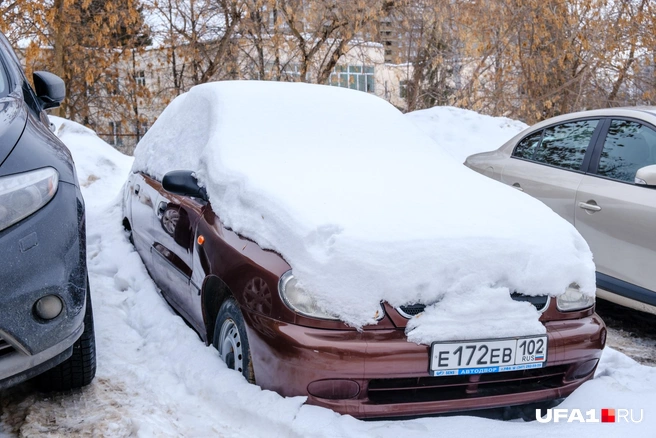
(124, 143)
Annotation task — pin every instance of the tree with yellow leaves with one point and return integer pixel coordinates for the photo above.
(83, 42)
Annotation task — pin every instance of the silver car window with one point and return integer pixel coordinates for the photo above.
(526, 147)
(628, 147)
(565, 145)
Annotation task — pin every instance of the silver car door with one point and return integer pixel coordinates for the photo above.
(616, 216)
(547, 164)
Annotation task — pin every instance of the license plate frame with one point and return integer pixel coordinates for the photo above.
(483, 362)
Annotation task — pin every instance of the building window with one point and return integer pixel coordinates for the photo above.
(288, 71)
(115, 133)
(355, 77)
(292, 71)
(140, 78)
(115, 85)
(403, 89)
(272, 20)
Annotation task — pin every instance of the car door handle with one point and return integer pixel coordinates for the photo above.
(589, 206)
(518, 187)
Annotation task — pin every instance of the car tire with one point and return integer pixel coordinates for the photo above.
(79, 369)
(231, 340)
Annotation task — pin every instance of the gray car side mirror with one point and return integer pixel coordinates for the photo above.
(50, 89)
(646, 176)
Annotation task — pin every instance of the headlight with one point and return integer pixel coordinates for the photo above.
(573, 299)
(298, 299)
(24, 193)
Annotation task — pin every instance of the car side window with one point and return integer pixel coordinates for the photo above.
(565, 145)
(527, 146)
(628, 147)
(11, 62)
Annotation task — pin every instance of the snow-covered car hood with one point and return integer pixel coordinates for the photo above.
(365, 207)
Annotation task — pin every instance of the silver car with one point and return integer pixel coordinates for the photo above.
(597, 169)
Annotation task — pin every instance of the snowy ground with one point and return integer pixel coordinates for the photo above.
(630, 332)
(156, 378)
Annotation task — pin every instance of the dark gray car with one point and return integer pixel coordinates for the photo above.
(46, 323)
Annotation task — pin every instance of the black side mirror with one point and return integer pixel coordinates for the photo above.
(182, 182)
(50, 89)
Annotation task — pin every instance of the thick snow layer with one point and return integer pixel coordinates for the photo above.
(156, 378)
(462, 132)
(365, 207)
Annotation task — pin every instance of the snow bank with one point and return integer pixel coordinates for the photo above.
(364, 207)
(462, 132)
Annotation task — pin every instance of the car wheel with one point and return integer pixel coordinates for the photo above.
(79, 369)
(231, 341)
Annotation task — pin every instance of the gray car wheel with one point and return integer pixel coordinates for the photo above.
(231, 340)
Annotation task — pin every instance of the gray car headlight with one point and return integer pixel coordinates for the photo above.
(298, 300)
(573, 299)
(24, 193)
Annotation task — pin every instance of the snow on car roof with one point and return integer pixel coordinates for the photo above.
(365, 207)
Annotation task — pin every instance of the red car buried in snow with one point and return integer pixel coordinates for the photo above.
(246, 291)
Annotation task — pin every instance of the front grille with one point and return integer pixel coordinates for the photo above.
(5, 348)
(540, 303)
(425, 389)
(411, 310)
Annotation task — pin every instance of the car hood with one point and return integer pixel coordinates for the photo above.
(13, 118)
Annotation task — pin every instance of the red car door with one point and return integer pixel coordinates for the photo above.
(174, 237)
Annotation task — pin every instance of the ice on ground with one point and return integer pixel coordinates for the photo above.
(462, 132)
(156, 378)
(364, 206)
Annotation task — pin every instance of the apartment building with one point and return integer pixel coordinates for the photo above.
(152, 78)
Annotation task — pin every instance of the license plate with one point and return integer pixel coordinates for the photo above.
(488, 356)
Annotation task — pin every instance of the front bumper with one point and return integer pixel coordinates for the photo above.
(45, 254)
(378, 373)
